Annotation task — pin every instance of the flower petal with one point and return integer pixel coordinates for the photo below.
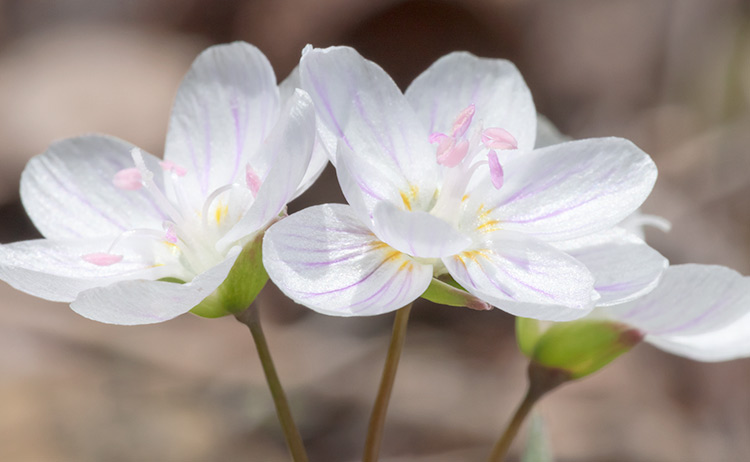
(137, 302)
(325, 258)
(360, 103)
(69, 190)
(287, 151)
(689, 300)
(525, 277)
(417, 233)
(729, 342)
(325, 140)
(494, 86)
(569, 189)
(623, 265)
(57, 270)
(226, 106)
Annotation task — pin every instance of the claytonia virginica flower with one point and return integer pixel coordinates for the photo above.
(443, 182)
(132, 239)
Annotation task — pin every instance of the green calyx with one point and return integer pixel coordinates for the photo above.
(245, 280)
(577, 348)
(445, 293)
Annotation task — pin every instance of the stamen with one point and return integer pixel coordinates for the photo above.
(438, 137)
(462, 122)
(102, 259)
(148, 182)
(137, 233)
(169, 166)
(498, 138)
(252, 180)
(450, 154)
(128, 179)
(210, 200)
(171, 234)
(496, 170)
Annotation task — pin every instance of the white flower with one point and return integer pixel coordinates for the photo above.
(131, 239)
(443, 181)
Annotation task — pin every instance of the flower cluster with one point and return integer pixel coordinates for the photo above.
(457, 192)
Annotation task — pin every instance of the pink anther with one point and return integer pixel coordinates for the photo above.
(169, 166)
(128, 179)
(252, 179)
(498, 138)
(170, 235)
(462, 122)
(450, 153)
(438, 138)
(496, 170)
(102, 259)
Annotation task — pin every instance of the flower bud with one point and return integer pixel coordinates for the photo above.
(578, 348)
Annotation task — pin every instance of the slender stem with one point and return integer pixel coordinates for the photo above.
(541, 381)
(380, 408)
(251, 318)
(503, 444)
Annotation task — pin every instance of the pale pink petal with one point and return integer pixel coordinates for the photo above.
(689, 300)
(73, 190)
(360, 104)
(323, 257)
(225, 107)
(568, 190)
(136, 302)
(288, 152)
(624, 266)
(417, 233)
(493, 86)
(60, 270)
(525, 277)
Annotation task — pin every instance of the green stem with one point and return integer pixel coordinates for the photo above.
(380, 408)
(541, 381)
(251, 318)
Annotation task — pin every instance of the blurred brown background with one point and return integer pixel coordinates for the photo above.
(673, 76)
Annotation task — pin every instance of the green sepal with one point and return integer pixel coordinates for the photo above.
(583, 347)
(446, 294)
(528, 332)
(245, 280)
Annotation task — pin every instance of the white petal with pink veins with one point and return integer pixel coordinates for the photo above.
(325, 141)
(60, 270)
(360, 103)
(624, 266)
(729, 342)
(689, 300)
(417, 233)
(288, 151)
(325, 258)
(72, 190)
(493, 86)
(225, 107)
(525, 277)
(570, 189)
(135, 302)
